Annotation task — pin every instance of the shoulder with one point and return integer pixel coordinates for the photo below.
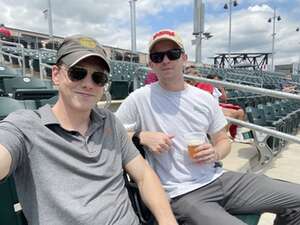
(102, 113)
(22, 115)
(140, 93)
(200, 92)
(22, 120)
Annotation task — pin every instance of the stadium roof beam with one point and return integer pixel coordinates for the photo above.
(252, 60)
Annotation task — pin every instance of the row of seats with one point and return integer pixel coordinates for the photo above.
(244, 99)
(266, 79)
(25, 88)
(280, 115)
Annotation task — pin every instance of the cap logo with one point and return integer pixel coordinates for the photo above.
(87, 43)
(164, 32)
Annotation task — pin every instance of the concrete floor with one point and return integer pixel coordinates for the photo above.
(285, 166)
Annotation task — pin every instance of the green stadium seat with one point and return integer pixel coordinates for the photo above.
(119, 90)
(10, 212)
(264, 147)
(28, 88)
(8, 105)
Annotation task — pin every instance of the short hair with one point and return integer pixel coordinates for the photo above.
(213, 76)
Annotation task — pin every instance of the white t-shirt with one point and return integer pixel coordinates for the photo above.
(217, 94)
(152, 108)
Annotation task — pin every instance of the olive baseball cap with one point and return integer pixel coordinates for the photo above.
(166, 34)
(78, 47)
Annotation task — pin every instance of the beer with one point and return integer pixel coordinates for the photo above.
(192, 148)
(193, 140)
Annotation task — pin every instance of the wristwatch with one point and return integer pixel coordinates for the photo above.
(136, 139)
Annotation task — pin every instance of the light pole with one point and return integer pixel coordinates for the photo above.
(50, 23)
(198, 42)
(199, 10)
(133, 25)
(273, 19)
(226, 6)
(298, 67)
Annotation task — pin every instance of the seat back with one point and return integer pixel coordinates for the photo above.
(10, 212)
(11, 85)
(119, 89)
(8, 105)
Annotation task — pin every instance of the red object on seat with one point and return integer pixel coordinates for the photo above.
(210, 88)
(230, 106)
(232, 128)
(5, 32)
(206, 87)
(150, 78)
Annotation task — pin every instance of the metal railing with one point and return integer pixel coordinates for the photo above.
(44, 65)
(22, 57)
(271, 132)
(262, 91)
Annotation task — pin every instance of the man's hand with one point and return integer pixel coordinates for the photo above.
(206, 154)
(157, 142)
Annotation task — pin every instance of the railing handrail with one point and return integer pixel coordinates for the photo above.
(263, 91)
(269, 131)
(18, 45)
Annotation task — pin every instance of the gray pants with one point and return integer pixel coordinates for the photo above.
(239, 193)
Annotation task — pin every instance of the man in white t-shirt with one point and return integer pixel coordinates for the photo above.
(200, 191)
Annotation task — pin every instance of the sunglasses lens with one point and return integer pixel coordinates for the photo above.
(174, 54)
(76, 74)
(157, 57)
(100, 78)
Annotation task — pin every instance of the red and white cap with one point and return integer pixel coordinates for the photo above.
(165, 34)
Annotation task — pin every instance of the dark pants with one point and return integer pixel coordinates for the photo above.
(239, 193)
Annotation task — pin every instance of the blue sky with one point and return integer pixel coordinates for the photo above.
(109, 22)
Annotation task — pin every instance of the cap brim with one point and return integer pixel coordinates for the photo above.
(162, 39)
(73, 58)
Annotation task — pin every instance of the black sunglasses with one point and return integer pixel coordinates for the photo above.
(78, 73)
(173, 54)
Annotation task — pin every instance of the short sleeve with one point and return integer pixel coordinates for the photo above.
(128, 114)
(218, 120)
(128, 150)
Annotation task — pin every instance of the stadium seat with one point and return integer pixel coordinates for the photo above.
(265, 147)
(10, 212)
(28, 88)
(119, 89)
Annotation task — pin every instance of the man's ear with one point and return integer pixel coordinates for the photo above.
(150, 64)
(55, 75)
(184, 57)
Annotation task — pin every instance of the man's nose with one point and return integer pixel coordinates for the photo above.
(165, 59)
(88, 81)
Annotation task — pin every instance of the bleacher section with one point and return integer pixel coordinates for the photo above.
(257, 78)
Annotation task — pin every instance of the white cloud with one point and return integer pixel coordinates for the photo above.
(109, 22)
(260, 8)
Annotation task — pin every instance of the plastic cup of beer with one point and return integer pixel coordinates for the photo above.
(193, 140)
